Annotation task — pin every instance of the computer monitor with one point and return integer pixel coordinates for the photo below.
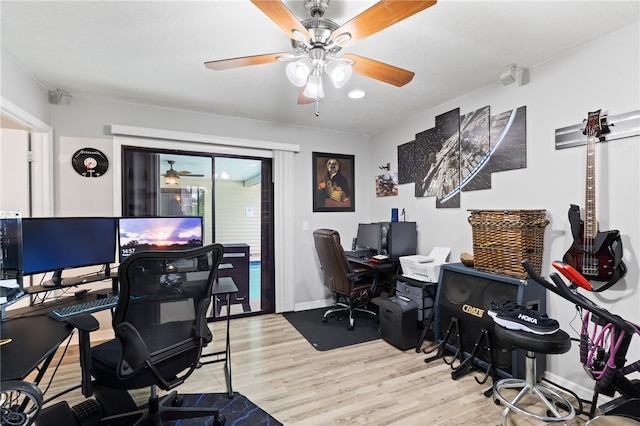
(158, 233)
(52, 244)
(369, 237)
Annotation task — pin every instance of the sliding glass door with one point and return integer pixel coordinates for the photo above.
(233, 195)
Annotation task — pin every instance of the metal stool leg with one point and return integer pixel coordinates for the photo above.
(551, 399)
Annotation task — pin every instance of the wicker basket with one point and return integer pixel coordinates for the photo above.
(502, 239)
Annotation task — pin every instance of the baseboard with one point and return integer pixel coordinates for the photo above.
(315, 304)
(581, 391)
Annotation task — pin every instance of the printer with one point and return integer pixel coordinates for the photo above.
(425, 268)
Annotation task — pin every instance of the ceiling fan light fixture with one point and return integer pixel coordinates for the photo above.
(171, 179)
(298, 72)
(314, 88)
(339, 72)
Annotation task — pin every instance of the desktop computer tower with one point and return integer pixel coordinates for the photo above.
(398, 239)
(236, 266)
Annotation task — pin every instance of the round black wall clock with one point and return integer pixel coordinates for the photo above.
(90, 162)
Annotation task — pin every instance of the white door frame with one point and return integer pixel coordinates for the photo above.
(41, 134)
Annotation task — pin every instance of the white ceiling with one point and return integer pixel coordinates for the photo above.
(153, 52)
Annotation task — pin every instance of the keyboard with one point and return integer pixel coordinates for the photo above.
(357, 253)
(90, 306)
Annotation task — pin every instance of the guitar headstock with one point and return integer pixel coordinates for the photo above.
(596, 125)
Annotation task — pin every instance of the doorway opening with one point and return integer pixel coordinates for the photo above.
(233, 195)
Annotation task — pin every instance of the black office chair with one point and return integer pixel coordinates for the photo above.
(352, 288)
(160, 326)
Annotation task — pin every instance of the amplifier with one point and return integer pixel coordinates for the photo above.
(466, 294)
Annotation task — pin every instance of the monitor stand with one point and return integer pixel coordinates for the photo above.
(57, 280)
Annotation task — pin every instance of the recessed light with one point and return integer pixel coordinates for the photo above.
(356, 94)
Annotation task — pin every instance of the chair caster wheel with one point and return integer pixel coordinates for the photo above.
(350, 327)
(496, 401)
(220, 420)
(324, 319)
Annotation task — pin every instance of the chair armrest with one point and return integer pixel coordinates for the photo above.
(359, 274)
(135, 352)
(85, 324)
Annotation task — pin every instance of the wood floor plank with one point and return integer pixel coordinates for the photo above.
(372, 383)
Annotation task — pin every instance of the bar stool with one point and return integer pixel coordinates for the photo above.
(556, 343)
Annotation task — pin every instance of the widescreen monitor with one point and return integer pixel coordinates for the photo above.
(53, 244)
(158, 233)
(369, 237)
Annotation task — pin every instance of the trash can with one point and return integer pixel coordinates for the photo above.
(399, 321)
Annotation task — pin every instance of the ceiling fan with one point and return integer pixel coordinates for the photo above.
(172, 176)
(317, 41)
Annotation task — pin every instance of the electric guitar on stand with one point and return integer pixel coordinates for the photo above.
(596, 255)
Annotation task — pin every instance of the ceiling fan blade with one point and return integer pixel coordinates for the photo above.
(380, 16)
(245, 61)
(188, 173)
(282, 16)
(379, 70)
(302, 99)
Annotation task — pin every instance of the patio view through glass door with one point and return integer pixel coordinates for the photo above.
(231, 196)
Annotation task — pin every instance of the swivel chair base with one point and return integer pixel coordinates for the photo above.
(558, 408)
(343, 307)
(159, 409)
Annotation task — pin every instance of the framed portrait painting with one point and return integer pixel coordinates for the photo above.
(333, 182)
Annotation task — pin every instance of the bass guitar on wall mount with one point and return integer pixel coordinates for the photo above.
(596, 255)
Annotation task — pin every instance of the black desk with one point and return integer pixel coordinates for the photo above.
(224, 286)
(384, 271)
(34, 341)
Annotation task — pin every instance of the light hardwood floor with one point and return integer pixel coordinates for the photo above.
(371, 383)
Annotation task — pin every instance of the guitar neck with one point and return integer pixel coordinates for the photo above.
(594, 129)
(590, 222)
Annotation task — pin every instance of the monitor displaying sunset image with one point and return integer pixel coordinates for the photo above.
(158, 233)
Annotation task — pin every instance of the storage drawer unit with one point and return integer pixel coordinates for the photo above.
(419, 295)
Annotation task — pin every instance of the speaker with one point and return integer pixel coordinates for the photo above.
(466, 294)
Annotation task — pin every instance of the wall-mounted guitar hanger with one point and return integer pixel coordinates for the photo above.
(621, 126)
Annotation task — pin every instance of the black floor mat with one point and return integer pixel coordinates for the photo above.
(334, 333)
(238, 411)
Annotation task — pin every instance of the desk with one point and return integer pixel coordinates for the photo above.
(76, 281)
(383, 271)
(34, 341)
(224, 286)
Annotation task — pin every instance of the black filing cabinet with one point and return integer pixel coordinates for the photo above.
(235, 264)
